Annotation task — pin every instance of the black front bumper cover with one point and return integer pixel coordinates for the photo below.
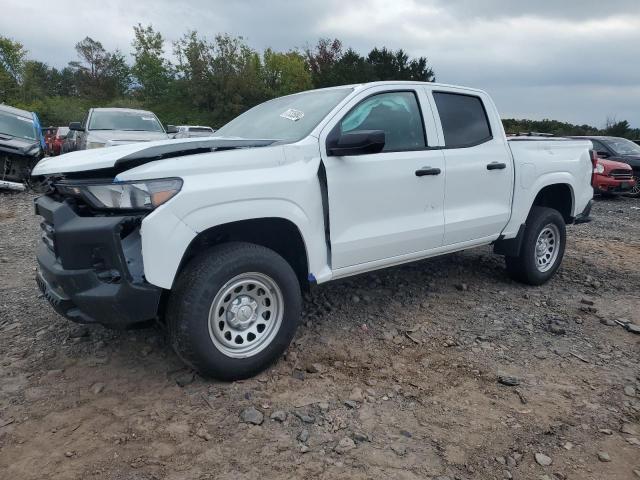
(90, 267)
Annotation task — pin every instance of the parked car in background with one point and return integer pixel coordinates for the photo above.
(69, 143)
(620, 150)
(107, 127)
(58, 140)
(21, 145)
(612, 178)
(220, 236)
(190, 131)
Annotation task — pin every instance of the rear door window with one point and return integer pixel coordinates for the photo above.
(464, 119)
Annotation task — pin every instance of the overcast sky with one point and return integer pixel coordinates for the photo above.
(576, 61)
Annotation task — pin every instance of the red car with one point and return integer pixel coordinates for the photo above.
(58, 140)
(612, 178)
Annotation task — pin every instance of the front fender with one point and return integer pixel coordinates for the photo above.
(165, 238)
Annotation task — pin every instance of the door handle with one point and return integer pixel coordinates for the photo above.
(496, 166)
(427, 171)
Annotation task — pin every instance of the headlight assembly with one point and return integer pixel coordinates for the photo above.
(599, 168)
(134, 195)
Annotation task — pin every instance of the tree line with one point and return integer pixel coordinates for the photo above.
(210, 81)
(199, 81)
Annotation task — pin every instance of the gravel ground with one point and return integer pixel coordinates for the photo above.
(443, 369)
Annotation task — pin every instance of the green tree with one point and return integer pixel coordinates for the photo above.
(100, 74)
(12, 58)
(150, 69)
(389, 65)
(285, 73)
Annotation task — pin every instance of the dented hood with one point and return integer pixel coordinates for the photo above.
(128, 156)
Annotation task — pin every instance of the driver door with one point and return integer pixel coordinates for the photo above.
(386, 205)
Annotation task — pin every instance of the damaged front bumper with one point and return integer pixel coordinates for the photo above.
(90, 267)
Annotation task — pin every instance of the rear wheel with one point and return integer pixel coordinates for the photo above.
(542, 247)
(234, 310)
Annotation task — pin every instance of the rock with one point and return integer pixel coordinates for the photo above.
(406, 433)
(511, 462)
(324, 406)
(507, 474)
(344, 445)
(501, 460)
(203, 434)
(78, 332)
(604, 457)
(97, 388)
(633, 441)
(629, 429)
(360, 437)
(542, 459)
(606, 431)
(185, 378)
(69, 454)
(556, 329)
(252, 415)
(355, 299)
(587, 301)
(297, 374)
(399, 450)
(508, 380)
(279, 416)
(304, 449)
(568, 446)
(305, 417)
(303, 436)
(608, 322)
(356, 395)
(636, 473)
(351, 404)
(629, 391)
(316, 368)
(633, 328)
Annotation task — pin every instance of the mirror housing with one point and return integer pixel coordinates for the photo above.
(357, 142)
(76, 126)
(172, 129)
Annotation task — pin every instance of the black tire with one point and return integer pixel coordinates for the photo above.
(524, 268)
(202, 281)
(635, 192)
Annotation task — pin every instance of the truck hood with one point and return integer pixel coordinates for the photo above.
(18, 146)
(122, 137)
(132, 155)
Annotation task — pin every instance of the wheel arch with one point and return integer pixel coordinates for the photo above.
(558, 196)
(279, 234)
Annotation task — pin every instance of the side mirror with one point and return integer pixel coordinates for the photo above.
(172, 129)
(603, 154)
(357, 142)
(76, 126)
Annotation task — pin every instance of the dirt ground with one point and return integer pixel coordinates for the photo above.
(392, 375)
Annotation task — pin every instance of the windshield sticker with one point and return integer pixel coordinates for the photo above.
(148, 118)
(292, 114)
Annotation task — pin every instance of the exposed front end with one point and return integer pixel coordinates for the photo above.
(90, 263)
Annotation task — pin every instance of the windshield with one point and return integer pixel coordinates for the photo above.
(17, 126)
(289, 118)
(129, 121)
(622, 146)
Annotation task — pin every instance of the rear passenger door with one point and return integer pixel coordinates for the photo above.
(479, 167)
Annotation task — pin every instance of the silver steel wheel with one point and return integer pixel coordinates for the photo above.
(635, 191)
(547, 247)
(246, 315)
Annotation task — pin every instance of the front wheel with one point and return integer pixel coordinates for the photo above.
(635, 191)
(542, 247)
(234, 310)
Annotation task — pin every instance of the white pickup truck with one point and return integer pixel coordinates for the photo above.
(218, 237)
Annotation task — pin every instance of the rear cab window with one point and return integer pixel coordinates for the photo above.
(463, 118)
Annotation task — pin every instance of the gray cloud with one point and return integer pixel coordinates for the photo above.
(573, 61)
